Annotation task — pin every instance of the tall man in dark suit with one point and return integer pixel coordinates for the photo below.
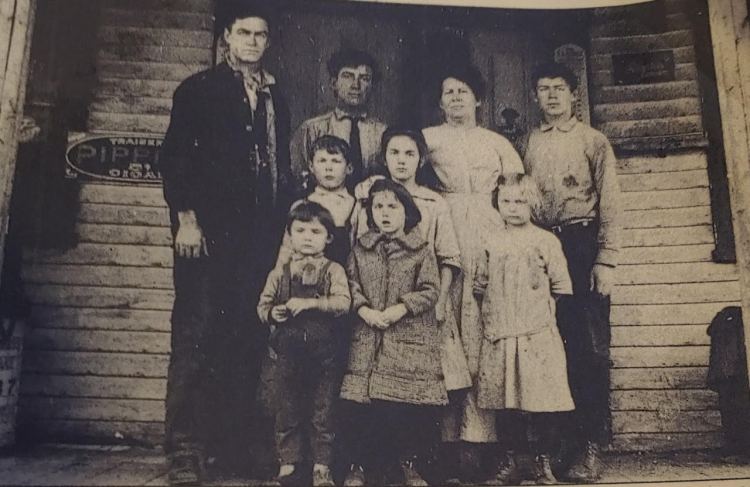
(225, 162)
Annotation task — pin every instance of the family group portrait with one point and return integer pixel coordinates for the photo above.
(356, 243)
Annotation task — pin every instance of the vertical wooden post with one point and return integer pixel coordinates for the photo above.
(730, 36)
(15, 50)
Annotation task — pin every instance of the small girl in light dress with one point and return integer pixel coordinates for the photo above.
(522, 366)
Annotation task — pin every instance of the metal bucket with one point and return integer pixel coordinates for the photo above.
(11, 346)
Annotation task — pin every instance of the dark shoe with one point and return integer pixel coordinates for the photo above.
(355, 477)
(322, 477)
(543, 471)
(411, 476)
(184, 470)
(508, 471)
(588, 468)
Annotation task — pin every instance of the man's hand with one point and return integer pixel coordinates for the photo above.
(279, 313)
(602, 279)
(296, 306)
(189, 241)
(373, 318)
(394, 313)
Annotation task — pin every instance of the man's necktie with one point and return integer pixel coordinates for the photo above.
(355, 144)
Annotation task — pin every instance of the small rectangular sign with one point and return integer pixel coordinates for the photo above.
(643, 67)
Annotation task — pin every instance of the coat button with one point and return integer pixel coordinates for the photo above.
(249, 128)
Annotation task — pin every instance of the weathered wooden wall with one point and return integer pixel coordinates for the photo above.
(96, 360)
(669, 288)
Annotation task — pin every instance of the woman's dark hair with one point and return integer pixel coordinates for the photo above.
(413, 215)
(352, 58)
(330, 144)
(468, 74)
(554, 70)
(425, 172)
(307, 211)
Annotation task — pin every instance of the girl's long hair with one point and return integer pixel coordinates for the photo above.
(529, 190)
(413, 215)
(426, 175)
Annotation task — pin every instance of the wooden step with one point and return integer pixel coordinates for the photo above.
(691, 124)
(149, 36)
(160, 54)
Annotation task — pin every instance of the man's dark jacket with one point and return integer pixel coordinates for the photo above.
(205, 157)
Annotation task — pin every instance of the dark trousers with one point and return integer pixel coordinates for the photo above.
(383, 433)
(307, 385)
(583, 320)
(217, 345)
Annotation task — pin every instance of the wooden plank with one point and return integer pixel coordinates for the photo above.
(645, 92)
(151, 18)
(689, 124)
(682, 72)
(123, 215)
(670, 217)
(131, 234)
(155, 36)
(674, 198)
(660, 378)
(197, 6)
(660, 255)
(147, 71)
(109, 276)
(692, 356)
(676, 293)
(95, 387)
(159, 54)
(100, 318)
(658, 422)
(659, 336)
(96, 364)
(668, 180)
(657, 237)
(613, 112)
(136, 87)
(676, 273)
(87, 431)
(127, 122)
(95, 297)
(603, 62)
(666, 314)
(101, 254)
(49, 339)
(137, 104)
(92, 409)
(639, 43)
(691, 160)
(665, 442)
(647, 400)
(122, 195)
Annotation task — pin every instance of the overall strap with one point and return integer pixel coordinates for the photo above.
(285, 287)
(323, 284)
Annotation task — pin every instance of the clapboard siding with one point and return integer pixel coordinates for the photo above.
(96, 358)
(668, 291)
(654, 115)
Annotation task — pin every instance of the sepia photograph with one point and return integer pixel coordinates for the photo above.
(374, 242)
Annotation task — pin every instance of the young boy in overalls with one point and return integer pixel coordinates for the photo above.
(301, 300)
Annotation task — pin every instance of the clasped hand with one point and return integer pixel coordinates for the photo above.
(282, 312)
(381, 320)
